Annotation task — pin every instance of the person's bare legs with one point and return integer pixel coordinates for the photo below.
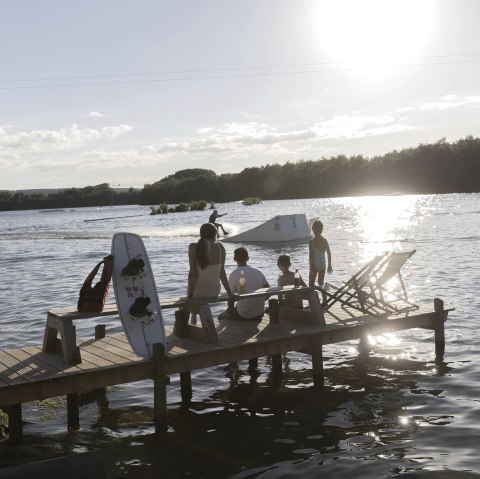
(321, 279)
(219, 225)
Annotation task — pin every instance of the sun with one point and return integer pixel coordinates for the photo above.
(372, 33)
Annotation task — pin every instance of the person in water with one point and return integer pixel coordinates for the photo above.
(213, 220)
(318, 248)
(207, 265)
(287, 278)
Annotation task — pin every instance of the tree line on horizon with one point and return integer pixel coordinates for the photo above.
(440, 167)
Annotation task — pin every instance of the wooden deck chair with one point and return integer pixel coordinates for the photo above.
(355, 292)
(381, 293)
(367, 291)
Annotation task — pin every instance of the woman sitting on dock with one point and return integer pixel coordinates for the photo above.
(207, 265)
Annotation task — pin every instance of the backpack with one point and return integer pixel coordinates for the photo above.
(92, 298)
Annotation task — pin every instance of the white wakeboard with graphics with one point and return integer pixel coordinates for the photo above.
(136, 294)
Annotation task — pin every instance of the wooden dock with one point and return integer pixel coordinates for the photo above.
(30, 373)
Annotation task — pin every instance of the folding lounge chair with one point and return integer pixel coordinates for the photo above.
(392, 300)
(367, 290)
(352, 292)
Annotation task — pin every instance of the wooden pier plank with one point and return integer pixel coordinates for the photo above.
(91, 354)
(113, 345)
(53, 364)
(104, 353)
(14, 371)
(29, 373)
(74, 381)
(119, 341)
(36, 371)
(3, 383)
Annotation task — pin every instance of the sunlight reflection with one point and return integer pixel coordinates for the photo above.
(404, 421)
(388, 339)
(378, 224)
(380, 221)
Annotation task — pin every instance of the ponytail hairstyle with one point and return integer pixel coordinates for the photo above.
(208, 231)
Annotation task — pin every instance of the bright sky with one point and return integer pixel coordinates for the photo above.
(127, 92)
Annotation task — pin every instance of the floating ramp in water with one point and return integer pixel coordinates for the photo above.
(279, 228)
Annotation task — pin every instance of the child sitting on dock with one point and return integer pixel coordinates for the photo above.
(287, 278)
(252, 279)
(318, 247)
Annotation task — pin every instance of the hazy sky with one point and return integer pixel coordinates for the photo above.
(129, 91)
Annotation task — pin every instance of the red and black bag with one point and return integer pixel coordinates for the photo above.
(92, 298)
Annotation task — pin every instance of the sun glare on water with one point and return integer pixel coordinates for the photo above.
(372, 33)
(380, 222)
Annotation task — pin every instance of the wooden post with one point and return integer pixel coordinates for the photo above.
(186, 386)
(317, 361)
(159, 388)
(100, 331)
(364, 345)
(252, 363)
(208, 325)
(316, 310)
(73, 416)
(50, 336)
(277, 368)
(181, 324)
(440, 317)
(71, 352)
(274, 313)
(15, 428)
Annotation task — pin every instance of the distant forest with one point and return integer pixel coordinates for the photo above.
(441, 167)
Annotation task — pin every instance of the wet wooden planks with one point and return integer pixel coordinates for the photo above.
(28, 373)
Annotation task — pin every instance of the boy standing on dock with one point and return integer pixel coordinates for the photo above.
(318, 247)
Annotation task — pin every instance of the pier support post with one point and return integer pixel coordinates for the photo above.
(73, 416)
(181, 324)
(364, 346)
(317, 361)
(159, 388)
(277, 368)
(252, 363)
(440, 317)
(15, 428)
(274, 313)
(186, 386)
(100, 331)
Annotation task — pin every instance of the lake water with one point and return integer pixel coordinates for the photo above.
(390, 412)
